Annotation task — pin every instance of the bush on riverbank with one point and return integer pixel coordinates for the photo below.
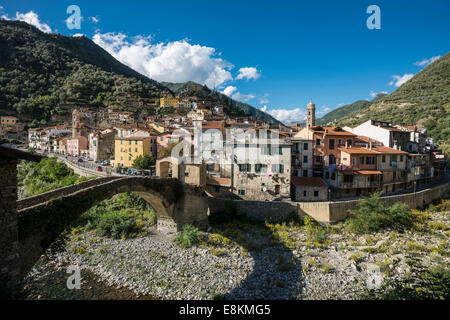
(372, 216)
(188, 237)
(124, 216)
(48, 174)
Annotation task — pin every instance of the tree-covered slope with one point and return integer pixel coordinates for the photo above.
(424, 101)
(39, 71)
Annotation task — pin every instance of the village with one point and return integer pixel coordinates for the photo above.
(314, 163)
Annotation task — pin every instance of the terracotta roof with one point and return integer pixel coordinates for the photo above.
(332, 131)
(308, 181)
(366, 139)
(369, 172)
(387, 150)
(358, 150)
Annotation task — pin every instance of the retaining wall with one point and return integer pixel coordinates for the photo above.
(326, 212)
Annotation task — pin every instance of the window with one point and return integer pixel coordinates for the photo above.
(257, 168)
(186, 174)
(316, 193)
(121, 158)
(361, 160)
(135, 150)
(305, 146)
(135, 142)
(370, 160)
(129, 149)
(349, 142)
(305, 173)
(305, 159)
(317, 142)
(339, 142)
(162, 139)
(401, 158)
(383, 158)
(304, 193)
(129, 158)
(354, 161)
(331, 144)
(129, 141)
(241, 192)
(121, 141)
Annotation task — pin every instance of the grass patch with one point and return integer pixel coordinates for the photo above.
(188, 237)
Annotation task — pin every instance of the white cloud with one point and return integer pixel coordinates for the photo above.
(324, 110)
(177, 61)
(31, 18)
(248, 73)
(78, 35)
(399, 80)
(232, 92)
(426, 62)
(374, 94)
(94, 19)
(229, 90)
(264, 99)
(285, 114)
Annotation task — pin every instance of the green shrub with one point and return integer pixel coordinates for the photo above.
(124, 216)
(372, 216)
(188, 237)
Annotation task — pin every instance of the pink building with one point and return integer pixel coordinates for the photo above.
(76, 145)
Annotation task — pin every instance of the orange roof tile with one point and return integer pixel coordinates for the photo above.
(308, 181)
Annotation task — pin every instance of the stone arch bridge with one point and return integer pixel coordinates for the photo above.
(30, 225)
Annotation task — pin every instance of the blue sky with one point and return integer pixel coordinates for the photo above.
(274, 55)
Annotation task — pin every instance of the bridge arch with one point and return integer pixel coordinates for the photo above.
(175, 204)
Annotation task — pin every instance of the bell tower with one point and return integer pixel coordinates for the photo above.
(311, 114)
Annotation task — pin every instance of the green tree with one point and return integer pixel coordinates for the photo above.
(144, 162)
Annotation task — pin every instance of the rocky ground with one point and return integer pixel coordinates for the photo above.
(239, 260)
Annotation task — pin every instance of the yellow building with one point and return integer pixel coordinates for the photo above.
(168, 101)
(128, 149)
(8, 120)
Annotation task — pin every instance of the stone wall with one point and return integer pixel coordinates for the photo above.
(9, 244)
(326, 212)
(272, 211)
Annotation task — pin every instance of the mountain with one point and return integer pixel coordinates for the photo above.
(231, 106)
(39, 71)
(347, 110)
(424, 101)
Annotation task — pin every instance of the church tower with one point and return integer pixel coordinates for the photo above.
(311, 117)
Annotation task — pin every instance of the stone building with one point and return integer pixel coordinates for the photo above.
(307, 189)
(101, 145)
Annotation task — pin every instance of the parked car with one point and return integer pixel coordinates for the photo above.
(98, 168)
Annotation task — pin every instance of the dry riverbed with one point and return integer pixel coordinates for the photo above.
(239, 260)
